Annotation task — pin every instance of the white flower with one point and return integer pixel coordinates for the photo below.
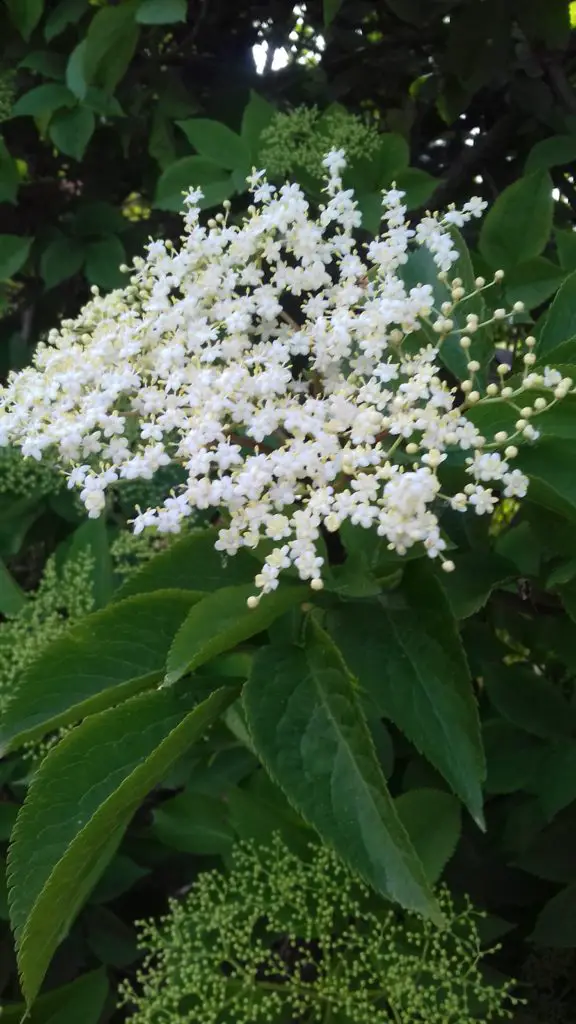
(516, 484)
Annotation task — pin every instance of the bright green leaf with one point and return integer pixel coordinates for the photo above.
(161, 12)
(216, 142)
(71, 131)
(107, 657)
(518, 225)
(79, 804)
(308, 728)
(14, 251)
(61, 260)
(560, 323)
(103, 261)
(432, 820)
(410, 662)
(43, 100)
(222, 620)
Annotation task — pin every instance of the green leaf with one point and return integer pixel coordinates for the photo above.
(65, 13)
(82, 1000)
(161, 12)
(43, 100)
(528, 701)
(14, 251)
(46, 63)
(216, 142)
(556, 782)
(518, 225)
(121, 874)
(107, 657)
(12, 597)
(330, 10)
(432, 820)
(111, 42)
(566, 245)
(477, 574)
(549, 464)
(560, 323)
(25, 14)
(411, 663)
(103, 261)
(533, 282)
(61, 260)
(112, 941)
(309, 731)
(192, 172)
(91, 537)
(9, 175)
(192, 563)
(222, 620)
(551, 152)
(79, 804)
(75, 77)
(257, 115)
(418, 186)
(556, 924)
(512, 757)
(71, 131)
(193, 823)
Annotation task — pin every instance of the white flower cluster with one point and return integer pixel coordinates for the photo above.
(267, 358)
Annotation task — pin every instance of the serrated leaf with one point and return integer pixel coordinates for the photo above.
(412, 665)
(192, 172)
(216, 142)
(221, 620)
(161, 12)
(107, 657)
(43, 100)
(71, 130)
(560, 323)
(14, 251)
(78, 806)
(518, 225)
(556, 924)
(61, 260)
(308, 728)
(432, 820)
(103, 261)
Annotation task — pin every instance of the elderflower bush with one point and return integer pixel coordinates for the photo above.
(292, 425)
(285, 938)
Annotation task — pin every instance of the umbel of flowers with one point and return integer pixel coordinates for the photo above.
(275, 360)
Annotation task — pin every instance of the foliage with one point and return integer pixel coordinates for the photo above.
(286, 936)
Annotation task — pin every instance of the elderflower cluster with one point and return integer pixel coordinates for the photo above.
(283, 938)
(301, 138)
(286, 368)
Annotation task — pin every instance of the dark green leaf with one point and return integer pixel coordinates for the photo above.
(551, 152)
(105, 658)
(161, 12)
(552, 479)
(8, 814)
(308, 728)
(61, 260)
(192, 172)
(113, 942)
(14, 251)
(330, 9)
(216, 142)
(110, 45)
(79, 804)
(477, 574)
(432, 820)
(65, 13)
(43, 100)
(71, 130)
(566, 245)
(529, 701)
(12, 597)
(92, 538)
(193, 823)
(120, 875)
(512, 757)
(25, 14)
(257, 115)
(556, 924)
(222, 620)
(75, 77)
(103, 261)
(560, 323)
(418, 186)
(556, 782)
(192, 563)
(518, 225)
(46, 63)
(82, 1000)
(411, 664)
(9, 175)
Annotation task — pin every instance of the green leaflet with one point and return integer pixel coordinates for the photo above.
(107, 657)
(411, 663)
(308, 728)
(78, 806)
